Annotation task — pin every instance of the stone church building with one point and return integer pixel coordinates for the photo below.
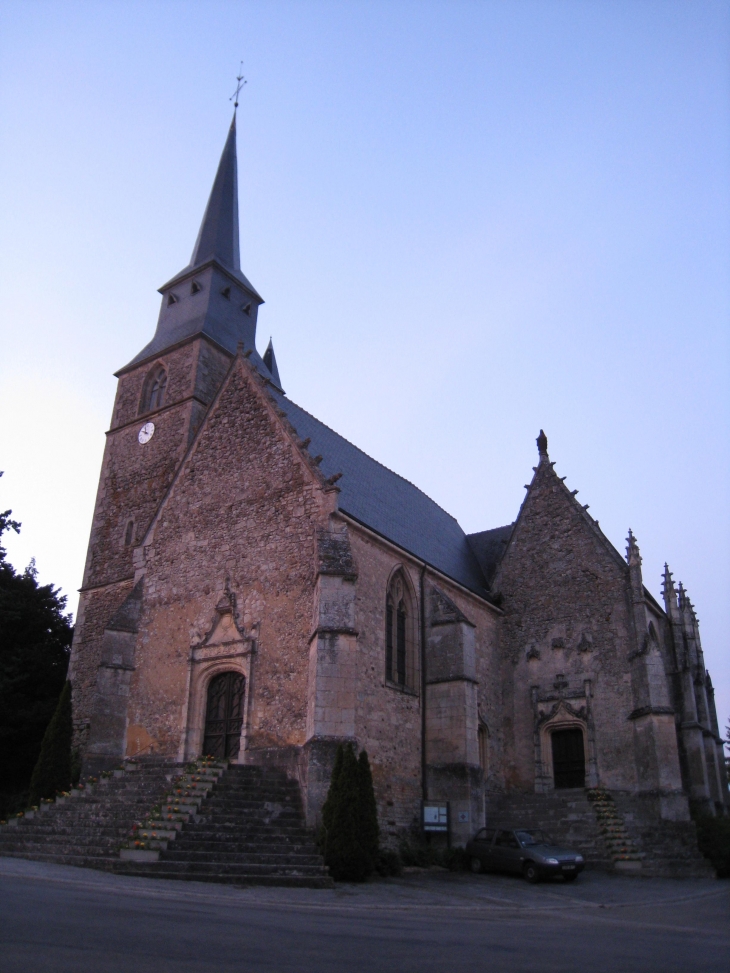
(257, 587)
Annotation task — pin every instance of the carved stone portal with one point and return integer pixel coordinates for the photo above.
(557, 709)
(226, 648)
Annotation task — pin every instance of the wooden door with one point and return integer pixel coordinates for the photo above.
(569, 761)
(224, 715)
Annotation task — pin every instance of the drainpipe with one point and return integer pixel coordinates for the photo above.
(424, 773)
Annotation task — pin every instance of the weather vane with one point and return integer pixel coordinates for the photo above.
(239, 87)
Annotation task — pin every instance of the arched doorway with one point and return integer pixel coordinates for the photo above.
(569, 759)
(224, 715)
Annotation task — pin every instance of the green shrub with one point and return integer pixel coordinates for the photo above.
(349, 834)
(713, 836)
(416, 852)
(455, 859)
(388, 863)
(52, 772)
(369, 830)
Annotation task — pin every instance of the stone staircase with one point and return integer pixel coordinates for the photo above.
(609, 829)
(248, 830)
(87, 827)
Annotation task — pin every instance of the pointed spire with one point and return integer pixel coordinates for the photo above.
(542, 445)
(270, 362)
(218, 236)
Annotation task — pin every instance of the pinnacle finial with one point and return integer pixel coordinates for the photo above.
(542, 445)
(632, 549)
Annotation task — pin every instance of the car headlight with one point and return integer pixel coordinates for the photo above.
(551, 861)
(579, 858)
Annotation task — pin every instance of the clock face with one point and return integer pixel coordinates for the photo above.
(146, 432)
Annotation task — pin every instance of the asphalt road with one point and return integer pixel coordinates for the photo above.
(55, 919)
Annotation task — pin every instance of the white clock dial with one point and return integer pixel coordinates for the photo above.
(146, 432)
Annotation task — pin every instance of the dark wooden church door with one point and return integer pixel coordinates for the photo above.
(224, 715)
(569, 762)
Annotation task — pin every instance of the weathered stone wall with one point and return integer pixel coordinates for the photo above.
(96, 607)
(567, 619)
(388, 719)
(132, 483)
(243, 511)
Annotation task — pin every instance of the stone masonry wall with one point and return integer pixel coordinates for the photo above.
(243, 511)
(132, 483)
(564, 595)
(388, 720)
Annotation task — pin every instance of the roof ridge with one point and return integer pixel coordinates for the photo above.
(373, 460)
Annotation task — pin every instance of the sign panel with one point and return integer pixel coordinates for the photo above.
(435, 817)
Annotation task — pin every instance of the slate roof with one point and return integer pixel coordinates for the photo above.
(387, 503)
(488, 547)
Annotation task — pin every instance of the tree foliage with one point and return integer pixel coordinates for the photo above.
(350, 818)
(35, 642)
(52, 771)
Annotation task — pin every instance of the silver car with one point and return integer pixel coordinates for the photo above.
(527, 850)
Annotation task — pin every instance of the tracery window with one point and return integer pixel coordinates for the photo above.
(401, 664)
(154, 390)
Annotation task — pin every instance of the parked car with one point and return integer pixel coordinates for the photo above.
(527, 850)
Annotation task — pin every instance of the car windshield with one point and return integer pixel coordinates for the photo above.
(533, 837)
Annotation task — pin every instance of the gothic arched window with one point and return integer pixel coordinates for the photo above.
(154, 389)
(401, 667)
(129, 533)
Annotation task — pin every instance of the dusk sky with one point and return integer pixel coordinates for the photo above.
(469, 220)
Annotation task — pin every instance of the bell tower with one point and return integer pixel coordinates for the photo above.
(163, 393)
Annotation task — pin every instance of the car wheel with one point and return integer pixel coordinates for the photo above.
(570, 878)
(531, 873)
(475, 865)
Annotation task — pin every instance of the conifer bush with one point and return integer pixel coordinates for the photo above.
(370, 831)
(349, 818)
(52, 772)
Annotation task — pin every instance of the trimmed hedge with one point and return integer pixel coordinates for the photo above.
(52, 772)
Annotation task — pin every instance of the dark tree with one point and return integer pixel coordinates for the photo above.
(333, 795)
(52, 772)
(35, 642)
(349, 843)
(370, 832)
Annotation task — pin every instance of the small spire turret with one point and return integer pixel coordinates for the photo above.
(270, 362)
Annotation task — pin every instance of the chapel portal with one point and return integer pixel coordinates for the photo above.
(224, 716)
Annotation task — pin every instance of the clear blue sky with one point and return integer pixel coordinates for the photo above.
(469, 220)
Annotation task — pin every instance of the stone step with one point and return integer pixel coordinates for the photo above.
(160, 870)
(244, 826)
(275, 861)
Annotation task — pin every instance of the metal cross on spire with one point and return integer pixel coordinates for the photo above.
(239, 87)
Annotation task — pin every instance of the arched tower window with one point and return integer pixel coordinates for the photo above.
(154, 389)
(129, 533)
(400, 641)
